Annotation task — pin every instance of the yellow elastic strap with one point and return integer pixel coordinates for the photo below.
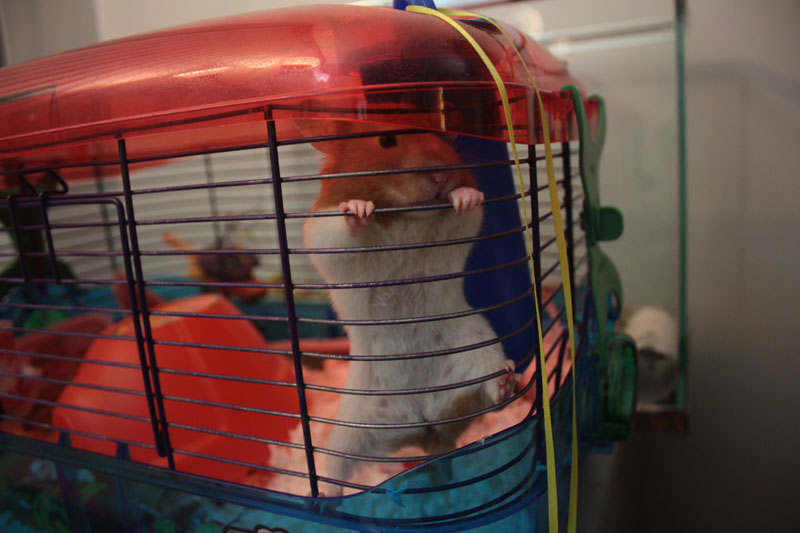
(563, 263)
(552, 493)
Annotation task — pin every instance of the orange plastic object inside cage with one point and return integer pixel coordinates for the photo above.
(173, 360)
(211, 85)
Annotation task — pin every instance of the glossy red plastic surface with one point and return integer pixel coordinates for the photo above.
(209, 85)
(209, 331)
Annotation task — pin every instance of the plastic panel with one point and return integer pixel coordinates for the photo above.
(300, 62)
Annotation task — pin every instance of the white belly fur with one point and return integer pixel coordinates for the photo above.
(406, 301)
(402, 301)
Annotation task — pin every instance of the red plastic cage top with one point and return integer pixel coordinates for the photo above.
(211, 85)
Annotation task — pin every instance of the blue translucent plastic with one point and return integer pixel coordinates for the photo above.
(489, 486)
(500, 285)
(401, 4)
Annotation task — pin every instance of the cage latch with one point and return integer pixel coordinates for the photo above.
(30, 197)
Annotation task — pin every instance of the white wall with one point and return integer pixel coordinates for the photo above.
(34, 28)
(120, 18)
(738, 470)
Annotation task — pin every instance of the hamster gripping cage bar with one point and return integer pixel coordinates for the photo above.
(147, 381)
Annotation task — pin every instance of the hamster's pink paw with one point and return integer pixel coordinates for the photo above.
(464, 198)
(361, 213)
(507, 383)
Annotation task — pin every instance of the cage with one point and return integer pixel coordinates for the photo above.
(170, 357)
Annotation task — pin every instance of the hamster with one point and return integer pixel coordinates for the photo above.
(358, 198)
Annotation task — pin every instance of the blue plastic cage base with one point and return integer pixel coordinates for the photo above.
(488, 485)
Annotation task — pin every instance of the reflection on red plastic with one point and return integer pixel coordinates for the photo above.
(213, 331)
(209, 85)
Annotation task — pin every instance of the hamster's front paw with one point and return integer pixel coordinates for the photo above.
(464, 198)
(360, 213)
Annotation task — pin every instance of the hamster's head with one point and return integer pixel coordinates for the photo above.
(384, 151)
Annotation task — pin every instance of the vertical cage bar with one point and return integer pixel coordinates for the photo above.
(681, 391)
(280, 219)
(540, 375)
(533, 185)
(48, 236)
(18, 238)
(137, 325)
(569, 236)
(566, 157)
(127, 498)
(100, 188)
(165, 448)
(75, 507)
(212, 199)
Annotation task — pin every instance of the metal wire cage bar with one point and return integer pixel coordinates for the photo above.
(123, 234)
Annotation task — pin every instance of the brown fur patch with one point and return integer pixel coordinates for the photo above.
(366, 154)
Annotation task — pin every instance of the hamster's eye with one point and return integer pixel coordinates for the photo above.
(388, 141)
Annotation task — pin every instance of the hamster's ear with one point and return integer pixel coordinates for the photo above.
(447, 137)
(320, 127)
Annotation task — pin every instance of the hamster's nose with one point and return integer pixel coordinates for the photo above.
(439, 178)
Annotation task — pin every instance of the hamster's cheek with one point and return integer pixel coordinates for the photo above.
(420, 189)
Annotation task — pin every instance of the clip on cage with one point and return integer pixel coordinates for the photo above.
(31, 197)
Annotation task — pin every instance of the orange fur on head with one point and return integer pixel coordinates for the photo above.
(383, 152)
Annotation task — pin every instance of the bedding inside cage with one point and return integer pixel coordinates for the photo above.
(324, 405)
(178, 366)
(495, 482)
